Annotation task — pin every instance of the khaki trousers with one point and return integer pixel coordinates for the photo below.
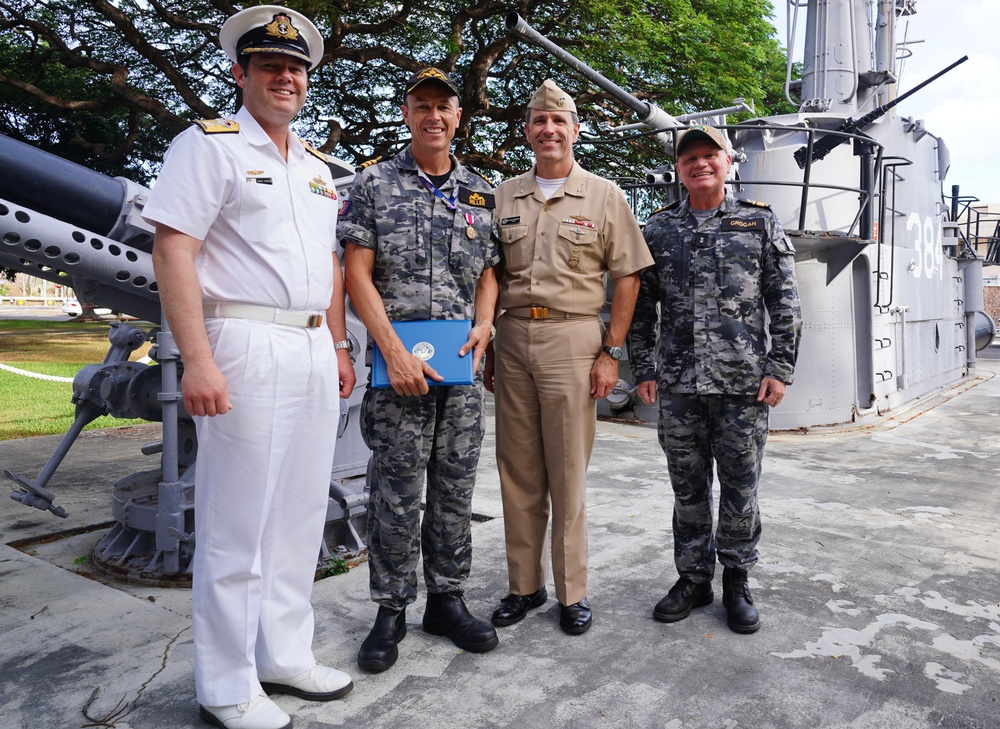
(545, 426)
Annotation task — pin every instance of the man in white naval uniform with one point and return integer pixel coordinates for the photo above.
(247, 268)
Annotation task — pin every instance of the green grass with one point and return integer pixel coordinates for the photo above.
(30, 406)
(332, 566)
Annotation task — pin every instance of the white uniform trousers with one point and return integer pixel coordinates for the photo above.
(262, 484)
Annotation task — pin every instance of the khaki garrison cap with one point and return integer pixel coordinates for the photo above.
(550, 97)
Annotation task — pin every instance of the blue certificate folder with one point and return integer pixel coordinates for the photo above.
(436, 342)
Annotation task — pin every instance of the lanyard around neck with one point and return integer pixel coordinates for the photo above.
(448, 201)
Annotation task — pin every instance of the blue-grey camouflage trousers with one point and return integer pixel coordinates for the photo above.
(438, 434)
(731, 431)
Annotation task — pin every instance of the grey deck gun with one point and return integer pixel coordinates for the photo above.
(651, 116)
(67, 224)
(826, 144)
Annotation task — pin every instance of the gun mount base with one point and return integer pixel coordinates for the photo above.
(129, 552)
(346, 531)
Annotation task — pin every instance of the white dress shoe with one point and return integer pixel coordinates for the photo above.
(319, 683)
(260, 713)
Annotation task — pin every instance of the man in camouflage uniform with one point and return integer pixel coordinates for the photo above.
(417, 243)
(729, 328)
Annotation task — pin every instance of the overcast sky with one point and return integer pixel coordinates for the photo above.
(963, 106)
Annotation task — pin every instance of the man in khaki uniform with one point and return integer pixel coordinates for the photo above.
(560, 230)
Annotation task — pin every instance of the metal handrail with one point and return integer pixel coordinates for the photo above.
(865, 196)
(975, 222)
(888, 163)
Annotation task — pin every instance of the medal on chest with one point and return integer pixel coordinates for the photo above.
(470, 231)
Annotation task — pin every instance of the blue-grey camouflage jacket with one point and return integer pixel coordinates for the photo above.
(427, 262)
(724, 288)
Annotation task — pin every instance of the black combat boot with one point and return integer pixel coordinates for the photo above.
(741, 615)
(379, 651)
(446, 614)
(682, 598)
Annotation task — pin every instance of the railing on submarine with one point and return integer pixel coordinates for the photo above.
(978, 227)
(871, 156)
(65, 223)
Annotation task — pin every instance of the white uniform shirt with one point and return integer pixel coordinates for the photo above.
(269, 227)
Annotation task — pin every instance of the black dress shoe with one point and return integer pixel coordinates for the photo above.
(513, 608)
(446, 614)
(741, 615)
(683, 596)
(379, 650)
(576, 618)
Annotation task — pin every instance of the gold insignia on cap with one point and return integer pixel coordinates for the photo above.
(477, 199)
(281, 27)
(433, 73)
(550, 97)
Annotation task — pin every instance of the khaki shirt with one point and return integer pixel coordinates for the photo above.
(556, 251)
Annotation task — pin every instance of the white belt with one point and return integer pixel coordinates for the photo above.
(285, 317)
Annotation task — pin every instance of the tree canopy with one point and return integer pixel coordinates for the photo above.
(108, 83)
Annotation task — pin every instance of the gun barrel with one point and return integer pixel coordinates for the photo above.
(650, 114)
(915, 89)
(827, 144)
(114, 274)
(35, 179)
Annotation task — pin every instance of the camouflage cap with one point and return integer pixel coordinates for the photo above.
(699, 131)
(430, 75)
(550, 97)
(271, 29)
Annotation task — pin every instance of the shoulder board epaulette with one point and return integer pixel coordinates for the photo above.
(755, 203)
(669, 206)
(313, 151)
(481, 176)
(218, 126)
(367, 163)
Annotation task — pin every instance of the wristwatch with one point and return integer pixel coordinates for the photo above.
(342, 344)
(614, 352)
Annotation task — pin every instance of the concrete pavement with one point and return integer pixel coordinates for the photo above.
(878, 587)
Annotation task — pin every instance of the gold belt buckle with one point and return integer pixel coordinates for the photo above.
(539, 312)
(315, 320)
